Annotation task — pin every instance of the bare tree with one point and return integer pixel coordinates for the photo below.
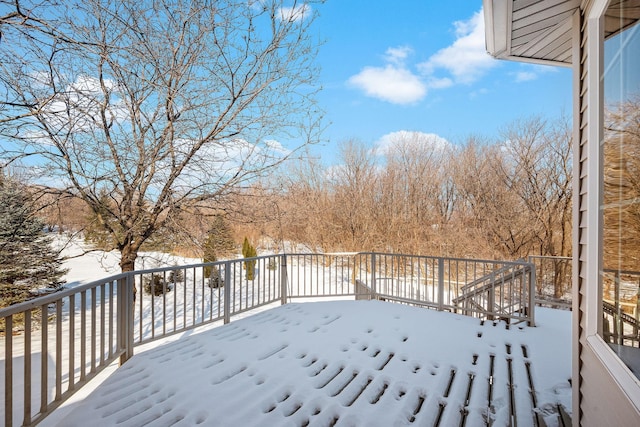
(305, 211)
(536, 164)
(417, 188)
(159, 106)
(353, 184)
(621, 207)
(519, 191)
(536, 167)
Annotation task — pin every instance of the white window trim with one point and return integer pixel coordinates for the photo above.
(595, 58)
(620, 373)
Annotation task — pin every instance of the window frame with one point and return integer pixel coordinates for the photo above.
(593, 322)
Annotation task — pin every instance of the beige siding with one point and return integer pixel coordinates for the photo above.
(603, 402)
(598, 400)
(579, 308)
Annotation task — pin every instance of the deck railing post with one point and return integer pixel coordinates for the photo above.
(373, 287)
(227, 292)
(532, 296)
(124, 316)
(283, 279)
(492, 298)
(131, 309)
(440, 284)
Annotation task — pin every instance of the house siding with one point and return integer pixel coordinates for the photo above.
(599, 398)
(603, 403)
(580, 206)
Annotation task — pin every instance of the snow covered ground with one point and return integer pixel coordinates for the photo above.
(343, 363)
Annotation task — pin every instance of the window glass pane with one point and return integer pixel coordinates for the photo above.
(620, 202)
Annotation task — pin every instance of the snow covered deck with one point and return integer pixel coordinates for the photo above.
(344, 363)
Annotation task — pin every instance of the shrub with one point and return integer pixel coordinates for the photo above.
(219, 241)
(214, 280)
(249, 251)
(156, 285)
(176, 276)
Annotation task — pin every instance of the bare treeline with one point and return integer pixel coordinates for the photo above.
(420, 194)
(413, 193)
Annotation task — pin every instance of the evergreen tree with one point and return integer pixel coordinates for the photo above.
(220, 238)
(27, 260)
(211, 273)
(249, 251)
(245, 247)
(219, 242)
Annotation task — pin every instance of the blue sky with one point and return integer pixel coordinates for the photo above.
(420, 65)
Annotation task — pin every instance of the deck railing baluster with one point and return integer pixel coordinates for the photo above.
(44, 377)
(72, 340)
(8, 372)
(58, 346)
(27, 368)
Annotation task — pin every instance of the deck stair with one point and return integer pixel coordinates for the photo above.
(498, 294)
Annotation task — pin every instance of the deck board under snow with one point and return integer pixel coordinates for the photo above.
(344, 363)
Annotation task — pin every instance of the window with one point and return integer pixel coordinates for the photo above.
(620, 196)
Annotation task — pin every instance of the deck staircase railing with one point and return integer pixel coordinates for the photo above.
(53, 345)
(553, 280)
(503, 293)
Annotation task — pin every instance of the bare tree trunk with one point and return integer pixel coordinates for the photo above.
(128, 258)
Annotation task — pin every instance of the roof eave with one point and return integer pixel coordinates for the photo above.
(497, 24)
(498, 18)
(537, 61)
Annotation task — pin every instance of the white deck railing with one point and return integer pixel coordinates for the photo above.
(55, 344)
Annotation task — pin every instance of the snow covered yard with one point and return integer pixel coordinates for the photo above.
(344, 363)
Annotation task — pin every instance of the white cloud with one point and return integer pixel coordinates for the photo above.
(90, 85)
(77, 109)
(398, 55)
(295, 13)
(389, 142)
(466, 60)
(463, 62)
(392, 83)
(276, 147)
(530, 72)
(439, 83)
(220, 161)
(525, 76)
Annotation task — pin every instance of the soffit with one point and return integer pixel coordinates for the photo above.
(530, 30)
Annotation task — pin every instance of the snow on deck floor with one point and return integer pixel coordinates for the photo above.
(343, 363)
